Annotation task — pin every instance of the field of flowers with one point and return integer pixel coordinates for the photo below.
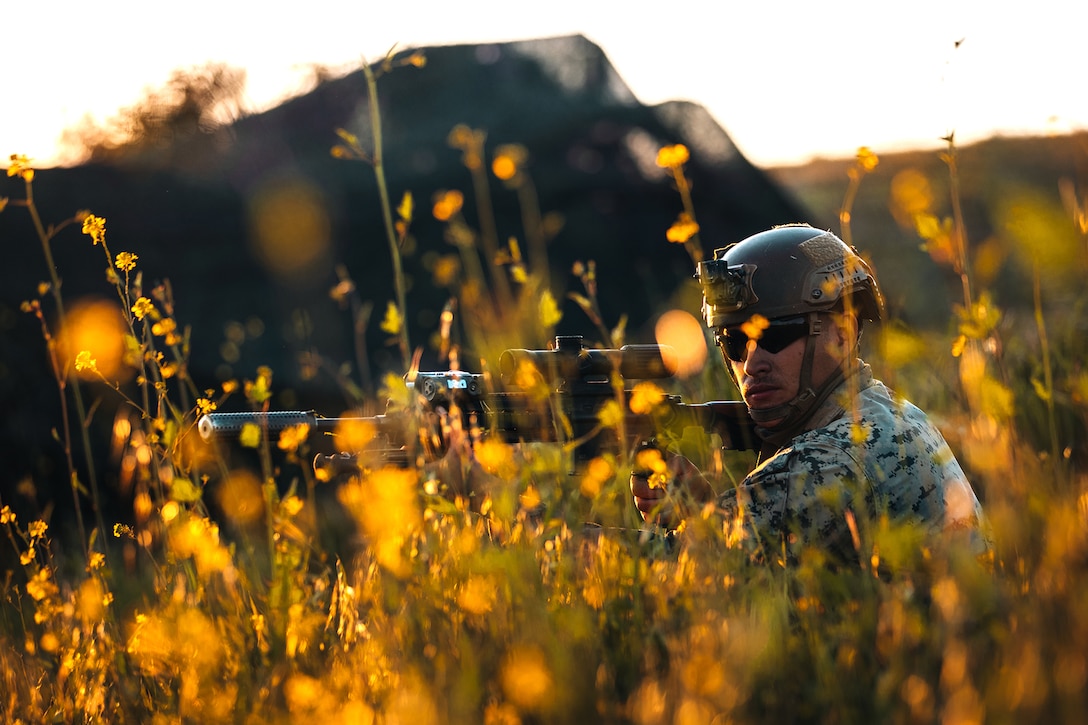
(271, 593)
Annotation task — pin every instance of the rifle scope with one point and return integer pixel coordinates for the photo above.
(569, 361)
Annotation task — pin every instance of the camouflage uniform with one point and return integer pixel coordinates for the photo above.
(893, 461)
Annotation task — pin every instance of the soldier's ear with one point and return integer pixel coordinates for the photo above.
(847, 330)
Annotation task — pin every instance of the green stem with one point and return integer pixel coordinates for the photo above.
(846, 210)
(534, 230)
(693, 245)
(62, 379)
(387, 210)
(1048, 375)
(489, 235)
(960, 225)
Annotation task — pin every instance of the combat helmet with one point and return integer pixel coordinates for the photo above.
(789, 271)
(786, 271)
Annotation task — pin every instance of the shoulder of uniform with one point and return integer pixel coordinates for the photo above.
(818, 449)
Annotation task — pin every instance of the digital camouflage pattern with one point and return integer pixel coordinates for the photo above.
(878, 455)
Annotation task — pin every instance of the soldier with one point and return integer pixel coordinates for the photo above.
(786, 306)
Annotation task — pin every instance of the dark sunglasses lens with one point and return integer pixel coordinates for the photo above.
(778, 337)
(775, 338)
(734, 343)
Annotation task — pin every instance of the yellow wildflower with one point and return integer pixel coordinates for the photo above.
(386, 506)
(84, 361)
(164, 327)
(504, 167)
(291, 505)
(393, 320)
(530, 498)
(6, 515)
(404, 211)
(182, 489)
(670, 157)
(126, 261)
(417, 59)
(97, 561)
(610, 415)
(447, 204)
(395, 390)
(859, 432)
(459, 136)
(683, 229)
(170, 511)
(471, 143)
(95, 228)
(49, 643)
(348, 137)
(652, 461)
(958, 345)
(291, 438)
(508, 161)
(37, 529)
(354, 434)
(478, 595)
(497, 458)
(866, 159)
(645, 397)
(259, 391)
(550, 314)
(204, 406)
(41, 586)
(143, 308)
(599, 472)
(250, 437)
(20, 166)
(526, 678)
(755, 325)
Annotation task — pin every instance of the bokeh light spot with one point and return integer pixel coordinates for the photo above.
(290, 229)
(240, 498)
(684, 334)
(98, 327)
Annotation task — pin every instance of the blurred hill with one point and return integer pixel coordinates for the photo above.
(195, 205)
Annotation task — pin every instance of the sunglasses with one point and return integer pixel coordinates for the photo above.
(776, 337)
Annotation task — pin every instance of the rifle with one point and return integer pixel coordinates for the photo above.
(554, 395)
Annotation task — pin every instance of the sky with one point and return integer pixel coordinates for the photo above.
(788, 80)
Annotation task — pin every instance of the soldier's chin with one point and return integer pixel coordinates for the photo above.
(772, 423)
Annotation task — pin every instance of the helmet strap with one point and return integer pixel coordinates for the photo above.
(796, 412)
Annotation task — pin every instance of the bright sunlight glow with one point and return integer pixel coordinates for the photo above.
(787, 80)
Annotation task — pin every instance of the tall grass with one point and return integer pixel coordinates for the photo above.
(386, 597)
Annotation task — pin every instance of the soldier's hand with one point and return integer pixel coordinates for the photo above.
(667, 487)
(460, 474)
